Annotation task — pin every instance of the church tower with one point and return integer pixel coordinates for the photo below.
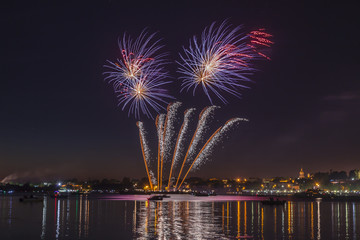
(301, 174)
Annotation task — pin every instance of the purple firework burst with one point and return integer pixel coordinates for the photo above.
(221, 61)
(138, 76)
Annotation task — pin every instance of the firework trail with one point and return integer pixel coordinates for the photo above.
(153, 178)
(180, 140)
(211, 142)
(204, 118)
(165, 125)
(169, 126)
(159, 123)
(168, 133)
(138, 76)
(221, 60)
(227, 127)
(145, 150)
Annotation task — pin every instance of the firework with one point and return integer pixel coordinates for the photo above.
(168, 133)
(259, 42)
(221, 61)
(180, 140)
(159, 123)
(199, 160)
(153, 179)
(204, 118)
(211, 143)
(145, 151)
(165, 130)
(136, 56)
(144, 95)
(169, 127)
(138, 75)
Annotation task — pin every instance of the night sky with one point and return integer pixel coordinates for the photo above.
(59, 117)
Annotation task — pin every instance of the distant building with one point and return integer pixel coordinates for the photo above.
(301, 174)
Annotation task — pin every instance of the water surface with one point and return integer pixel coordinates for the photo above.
(181, 217)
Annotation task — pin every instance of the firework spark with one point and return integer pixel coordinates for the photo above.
(138, 76)
(221, 61)
(159, 123)
(145, 150)
(153, 178)
(204, 118)
(143, 95)
(164, 124)
(211, 143)
(259, 42)
(201, 159)
(169, 127)
(136, 56)
(179, 145)
(168, 133)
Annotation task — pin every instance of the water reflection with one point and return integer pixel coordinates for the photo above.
(179, 220)
(43, 223)
(235, 219)
(318, 220)
(354, 219)
(203, 220)
(90, 218)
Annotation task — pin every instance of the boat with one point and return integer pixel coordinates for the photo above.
(57, 195)
(165, 196)
(201, 194)
(271, 201)
(31, 199)
(155, 198)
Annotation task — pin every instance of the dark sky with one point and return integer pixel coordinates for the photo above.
(58, 116)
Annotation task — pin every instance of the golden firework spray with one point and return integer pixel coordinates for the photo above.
(143, 152)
